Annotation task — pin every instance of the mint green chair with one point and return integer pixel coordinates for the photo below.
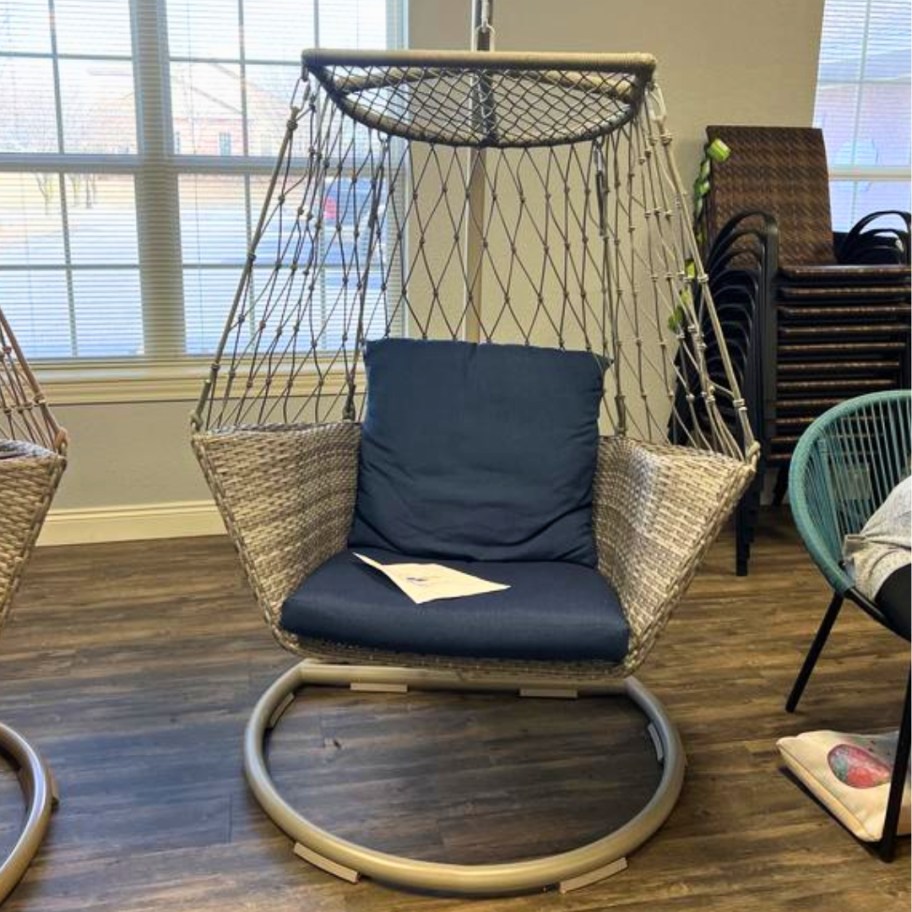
(843, 468)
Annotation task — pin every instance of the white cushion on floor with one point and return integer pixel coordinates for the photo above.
(850, 775)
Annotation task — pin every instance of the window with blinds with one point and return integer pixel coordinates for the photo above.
(862, 105)
(136, 141)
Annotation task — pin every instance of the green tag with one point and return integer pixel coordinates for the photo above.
(718, 151)
(704, 169)
(701, 188)
(678, 320)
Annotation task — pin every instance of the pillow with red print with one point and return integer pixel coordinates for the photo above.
(850, 775)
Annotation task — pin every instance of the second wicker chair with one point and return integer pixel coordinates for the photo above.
(32, 460)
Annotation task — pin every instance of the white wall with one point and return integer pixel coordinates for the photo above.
(720, 61)
(129, 454)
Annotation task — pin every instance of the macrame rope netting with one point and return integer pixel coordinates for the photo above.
(504, 198)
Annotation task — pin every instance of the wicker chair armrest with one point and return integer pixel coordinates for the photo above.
(29, 476)
(287, 495)
(656, 510)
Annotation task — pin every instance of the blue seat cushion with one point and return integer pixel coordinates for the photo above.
(552, 611)
(478, 452)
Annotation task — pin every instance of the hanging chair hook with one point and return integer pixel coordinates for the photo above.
(483, 23)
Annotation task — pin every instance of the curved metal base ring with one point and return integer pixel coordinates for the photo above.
(568, 870)
(40, 798)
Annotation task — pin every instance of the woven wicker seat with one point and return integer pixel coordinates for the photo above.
(489, 198)
(32, 460)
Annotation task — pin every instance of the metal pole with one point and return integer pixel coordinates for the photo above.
(482, 25)
(482, 40)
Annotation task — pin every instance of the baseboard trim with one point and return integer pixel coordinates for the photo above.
(136, 522)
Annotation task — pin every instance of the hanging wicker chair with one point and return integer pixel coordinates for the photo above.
(495, 198)
(32, 460)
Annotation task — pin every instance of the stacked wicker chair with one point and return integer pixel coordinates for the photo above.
(32, 460)
(740, 266)
(839, 322)
(834, 322)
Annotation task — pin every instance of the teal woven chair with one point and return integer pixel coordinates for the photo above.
(843, 468)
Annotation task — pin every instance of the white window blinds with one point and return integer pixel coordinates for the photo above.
(862, 105)
(135, 142)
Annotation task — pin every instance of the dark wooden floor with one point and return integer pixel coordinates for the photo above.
(134, 666)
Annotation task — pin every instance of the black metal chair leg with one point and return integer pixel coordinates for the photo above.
(742, 540)
(887, 846)
(746, 520)
(810, 660)
(781, 486)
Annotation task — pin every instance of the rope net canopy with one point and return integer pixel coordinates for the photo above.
(492, 197)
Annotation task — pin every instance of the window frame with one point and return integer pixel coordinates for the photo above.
(165, 373)
(856, 174)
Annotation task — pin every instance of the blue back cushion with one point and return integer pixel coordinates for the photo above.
(478, 452)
